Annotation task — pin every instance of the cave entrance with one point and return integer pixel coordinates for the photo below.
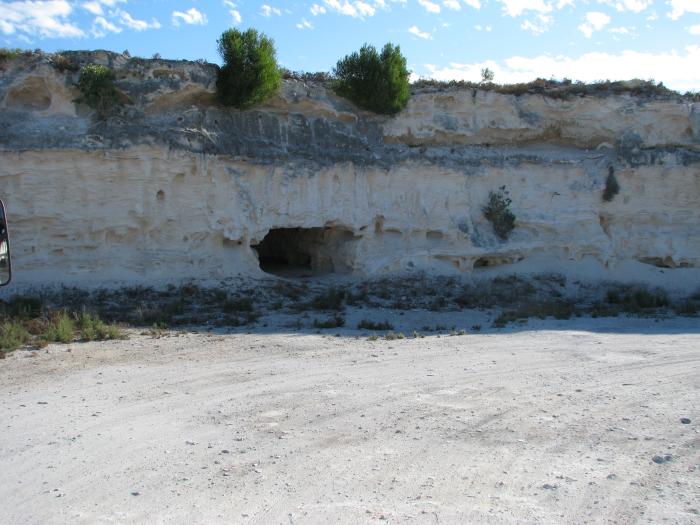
(304, 252)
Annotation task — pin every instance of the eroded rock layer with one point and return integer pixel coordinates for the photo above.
(172, 186)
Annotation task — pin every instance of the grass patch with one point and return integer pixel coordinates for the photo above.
(61, 329)
(92, 328)
(331, 299)
(241, 304)
(335, 321)
(13, 335)
(366, 324)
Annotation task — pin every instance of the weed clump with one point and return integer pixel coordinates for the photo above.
(335, 321)
(92, 328)
(366, 324)
(96, 84)
(250, 74)
(497, 212)
(13, 335)
(331, 299)
(61, 329)
(373, 80)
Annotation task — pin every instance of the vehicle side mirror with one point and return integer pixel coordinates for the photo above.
(5, 264)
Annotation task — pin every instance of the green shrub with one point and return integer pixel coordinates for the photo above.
(96, 84)
(331, 299)
(13, 335)
(250, 74)
(374, 81)
(92, 328)
(498, 213)
(335, 321)
(61, 329)
(366, 324)
(242, 304)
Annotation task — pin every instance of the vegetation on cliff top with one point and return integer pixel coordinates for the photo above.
(250, 74)
(373, 80)
(96, 84)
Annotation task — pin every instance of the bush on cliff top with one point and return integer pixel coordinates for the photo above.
(373, 80)
(250, 74)
(96, 84)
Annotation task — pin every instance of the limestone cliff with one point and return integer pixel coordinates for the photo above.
(173, 186)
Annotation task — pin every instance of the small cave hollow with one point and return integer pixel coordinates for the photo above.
(305, 252)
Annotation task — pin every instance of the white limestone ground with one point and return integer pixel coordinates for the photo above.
(552, 422)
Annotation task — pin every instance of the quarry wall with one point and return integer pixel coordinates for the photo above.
(172, 186)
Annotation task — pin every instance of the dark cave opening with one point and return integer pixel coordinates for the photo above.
(301, 252)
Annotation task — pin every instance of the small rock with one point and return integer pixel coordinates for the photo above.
(547, 486)
(685, 421)
(659, 460)
(190, 442)
(225, 451)
(612, 476)
(135, 493)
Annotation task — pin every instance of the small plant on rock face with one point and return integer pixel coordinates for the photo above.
(612, 187)
(96, 84)
(498, 213)
(250, 74)
(373, 80)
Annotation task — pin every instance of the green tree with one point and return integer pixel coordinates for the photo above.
(373, 80)
(250, 74)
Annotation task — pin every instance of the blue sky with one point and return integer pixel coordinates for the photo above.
(445, 39)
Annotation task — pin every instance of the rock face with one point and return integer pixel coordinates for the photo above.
(172, 186)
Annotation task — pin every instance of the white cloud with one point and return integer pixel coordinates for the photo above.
(636, 6)
(681, 7)
(694, 30)
(677, 70)
(94, 7)
(538, 25)
(620, 30)
(234, 12)
(317, 10)
(355, 8)
(452, 4)
(476, 4)
(268, 10)
(518, 7)
(43, 18)
(305, 24)
(420, 34)
(135, 24)
(101, 26)
(191, 16)
(488, 29)
(595, 21)
(429, 6)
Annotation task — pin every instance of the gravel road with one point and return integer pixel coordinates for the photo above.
(574, 422)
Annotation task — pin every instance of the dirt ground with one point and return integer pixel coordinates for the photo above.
(549, 422)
